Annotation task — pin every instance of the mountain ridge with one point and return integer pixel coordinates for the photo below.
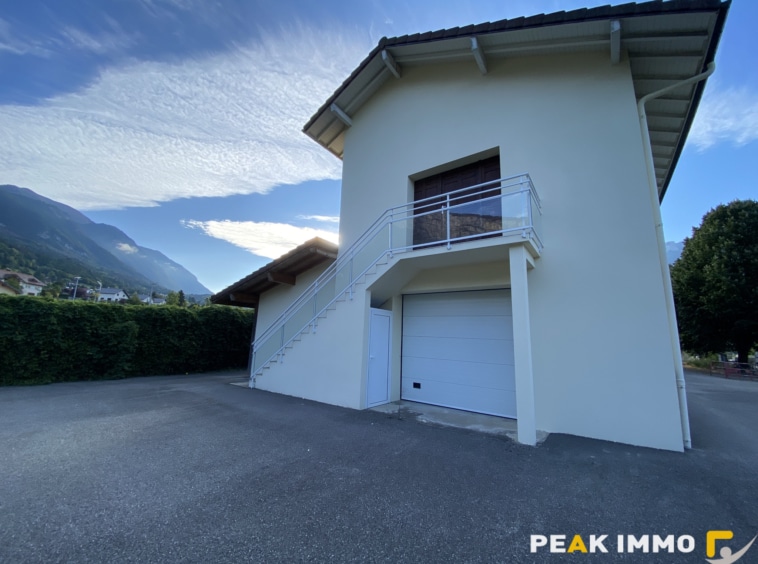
(35, 224)
(674, 250)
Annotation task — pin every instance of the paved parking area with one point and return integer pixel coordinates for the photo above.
(192, 469)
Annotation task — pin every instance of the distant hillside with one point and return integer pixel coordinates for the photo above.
(55, 242)
(673, 251)
(58, 269)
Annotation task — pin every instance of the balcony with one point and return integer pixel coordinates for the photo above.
(503, 207)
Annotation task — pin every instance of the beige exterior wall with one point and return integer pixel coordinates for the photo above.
(7, 291)
(482, 276)
(602, 362)
(328, 365)
(275, 301)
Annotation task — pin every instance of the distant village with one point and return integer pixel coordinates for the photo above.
(14, 283)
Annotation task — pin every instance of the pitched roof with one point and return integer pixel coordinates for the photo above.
(665, 42)
(284, 270)
(26, 278)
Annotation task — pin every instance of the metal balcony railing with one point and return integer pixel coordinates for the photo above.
(509, 206)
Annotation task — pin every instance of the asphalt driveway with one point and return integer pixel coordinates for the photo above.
(192, 469)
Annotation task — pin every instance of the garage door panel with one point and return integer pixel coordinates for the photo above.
(457, 396)
(461, 327)
(458, 351)
(484, 303)
(481, 375)
(493, 351)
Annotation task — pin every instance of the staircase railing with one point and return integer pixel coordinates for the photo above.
(500, 207)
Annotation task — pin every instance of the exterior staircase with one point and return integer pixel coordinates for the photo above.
(507, 207)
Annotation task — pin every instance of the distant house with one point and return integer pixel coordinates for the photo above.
(30, 286)
(146, 299)
(112, 295)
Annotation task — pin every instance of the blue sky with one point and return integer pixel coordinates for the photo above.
(179, 121)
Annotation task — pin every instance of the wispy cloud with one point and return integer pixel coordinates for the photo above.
(12, 43)
(322, 218)
(127, 248)
(270, 240)
(104, 42)
(726, 115)
(155, 131)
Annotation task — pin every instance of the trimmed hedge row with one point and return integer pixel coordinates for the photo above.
(43, 341)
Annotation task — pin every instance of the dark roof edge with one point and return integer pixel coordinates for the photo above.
(540, 20)
(699, 88)
(317, 243)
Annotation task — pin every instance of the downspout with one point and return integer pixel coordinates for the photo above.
(655, 202)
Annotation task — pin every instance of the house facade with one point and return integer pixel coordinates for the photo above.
(501, 248)
(150, 300)
(112, 295)
(28, 285)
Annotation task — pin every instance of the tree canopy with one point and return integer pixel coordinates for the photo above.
(715, 282)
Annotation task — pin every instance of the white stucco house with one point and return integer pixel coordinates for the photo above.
(501, 248)
(112, 295)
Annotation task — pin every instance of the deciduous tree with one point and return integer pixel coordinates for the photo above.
(715, 282)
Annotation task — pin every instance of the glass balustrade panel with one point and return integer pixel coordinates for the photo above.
(299, 319)
(343, 276)
(374, 248)
(402, 233)
(266, 349)
(476, 219)
(326, 293)
(515, 211)
(536, 216)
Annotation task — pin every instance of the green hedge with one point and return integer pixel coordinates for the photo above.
(43, 340)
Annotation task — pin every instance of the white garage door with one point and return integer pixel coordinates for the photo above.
(458, 351)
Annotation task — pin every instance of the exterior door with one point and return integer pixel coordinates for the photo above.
(468, 219)
(378, 385)
(458, 351)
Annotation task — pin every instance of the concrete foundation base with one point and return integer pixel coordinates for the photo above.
(447, 417)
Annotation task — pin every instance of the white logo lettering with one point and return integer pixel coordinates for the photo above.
(666, 544)
(634, 543)
(557, 543)
(596, 543)
(537, 541)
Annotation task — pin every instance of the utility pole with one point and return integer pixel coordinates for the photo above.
(76, 285)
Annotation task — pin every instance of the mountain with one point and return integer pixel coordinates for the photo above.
(673, 251)
(62, 241)
(153, 265)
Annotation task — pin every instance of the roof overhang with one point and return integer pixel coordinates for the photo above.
(284, 270)
(665, 42)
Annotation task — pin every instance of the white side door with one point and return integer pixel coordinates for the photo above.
(378, 386)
